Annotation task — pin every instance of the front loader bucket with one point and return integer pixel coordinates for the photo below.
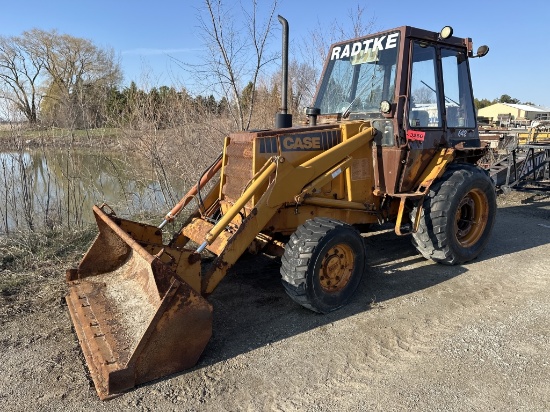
(135, 317)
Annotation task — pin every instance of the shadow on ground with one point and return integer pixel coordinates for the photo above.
(251, 309)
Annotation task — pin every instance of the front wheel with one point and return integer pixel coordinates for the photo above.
(323, 263)
(457, 217)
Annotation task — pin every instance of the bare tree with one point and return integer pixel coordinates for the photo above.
(302, 85)
(268, 93)
(314, 50)
(79, 73)
(20, 75)
(235, 57)
(423, 95)
(62, 74)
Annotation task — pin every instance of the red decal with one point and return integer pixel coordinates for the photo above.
(414, 135)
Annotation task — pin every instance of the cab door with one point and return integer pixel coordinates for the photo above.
(424, 118)
(440, 110)
(459, 113)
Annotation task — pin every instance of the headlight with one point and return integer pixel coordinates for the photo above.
(385, 106)
(446, 32)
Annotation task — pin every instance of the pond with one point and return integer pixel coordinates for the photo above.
(58, 187)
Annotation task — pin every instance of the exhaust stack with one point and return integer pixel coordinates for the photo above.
(283, 119)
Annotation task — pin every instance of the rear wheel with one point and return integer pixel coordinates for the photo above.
(323, 264)
(457, 216)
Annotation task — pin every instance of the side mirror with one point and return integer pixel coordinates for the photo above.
(482, 51)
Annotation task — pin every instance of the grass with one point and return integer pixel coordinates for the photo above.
(11, 284)
(26, 256)
(26, 250)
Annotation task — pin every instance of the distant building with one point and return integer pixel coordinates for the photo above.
(508, 113)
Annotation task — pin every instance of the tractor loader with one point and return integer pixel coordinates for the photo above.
(391, 137)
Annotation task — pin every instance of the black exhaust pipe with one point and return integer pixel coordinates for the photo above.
(283, 119)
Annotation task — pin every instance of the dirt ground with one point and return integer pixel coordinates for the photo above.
(417, 336)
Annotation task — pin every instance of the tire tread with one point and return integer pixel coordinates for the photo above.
(299, 251)
(432, 239)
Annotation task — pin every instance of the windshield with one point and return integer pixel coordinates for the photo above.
(359, 75)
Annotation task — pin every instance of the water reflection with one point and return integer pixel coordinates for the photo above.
(52, 187)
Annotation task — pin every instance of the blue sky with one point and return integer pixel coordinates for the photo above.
(144, 33)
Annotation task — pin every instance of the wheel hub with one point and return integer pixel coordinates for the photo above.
(471, 217)
(336, 268)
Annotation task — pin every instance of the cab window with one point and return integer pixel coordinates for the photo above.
(424, 110)
(458, 94)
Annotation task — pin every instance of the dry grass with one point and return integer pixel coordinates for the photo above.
(30, 250)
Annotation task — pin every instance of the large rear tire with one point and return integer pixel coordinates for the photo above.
(323, 263)
(457, 217)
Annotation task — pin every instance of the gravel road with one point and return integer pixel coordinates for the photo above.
(417, 336)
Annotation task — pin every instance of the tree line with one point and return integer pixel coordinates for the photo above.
(52, 79)
(55, 79)
(481, 103)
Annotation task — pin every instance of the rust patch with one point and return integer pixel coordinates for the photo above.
(135, 318)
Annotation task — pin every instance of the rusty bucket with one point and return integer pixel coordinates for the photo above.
(135, 317)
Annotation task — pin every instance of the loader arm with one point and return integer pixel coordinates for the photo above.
(288, 182)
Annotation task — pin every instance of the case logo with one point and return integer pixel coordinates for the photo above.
(300, 142)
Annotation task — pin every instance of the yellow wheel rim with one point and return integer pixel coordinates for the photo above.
(471, 218)
(336, 268)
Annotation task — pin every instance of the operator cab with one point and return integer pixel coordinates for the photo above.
(412, 84)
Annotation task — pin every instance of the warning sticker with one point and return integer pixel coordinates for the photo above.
(415, 135)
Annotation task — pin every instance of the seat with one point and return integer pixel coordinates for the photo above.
(419, 118)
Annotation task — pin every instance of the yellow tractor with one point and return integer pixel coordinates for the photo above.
(391, 137)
